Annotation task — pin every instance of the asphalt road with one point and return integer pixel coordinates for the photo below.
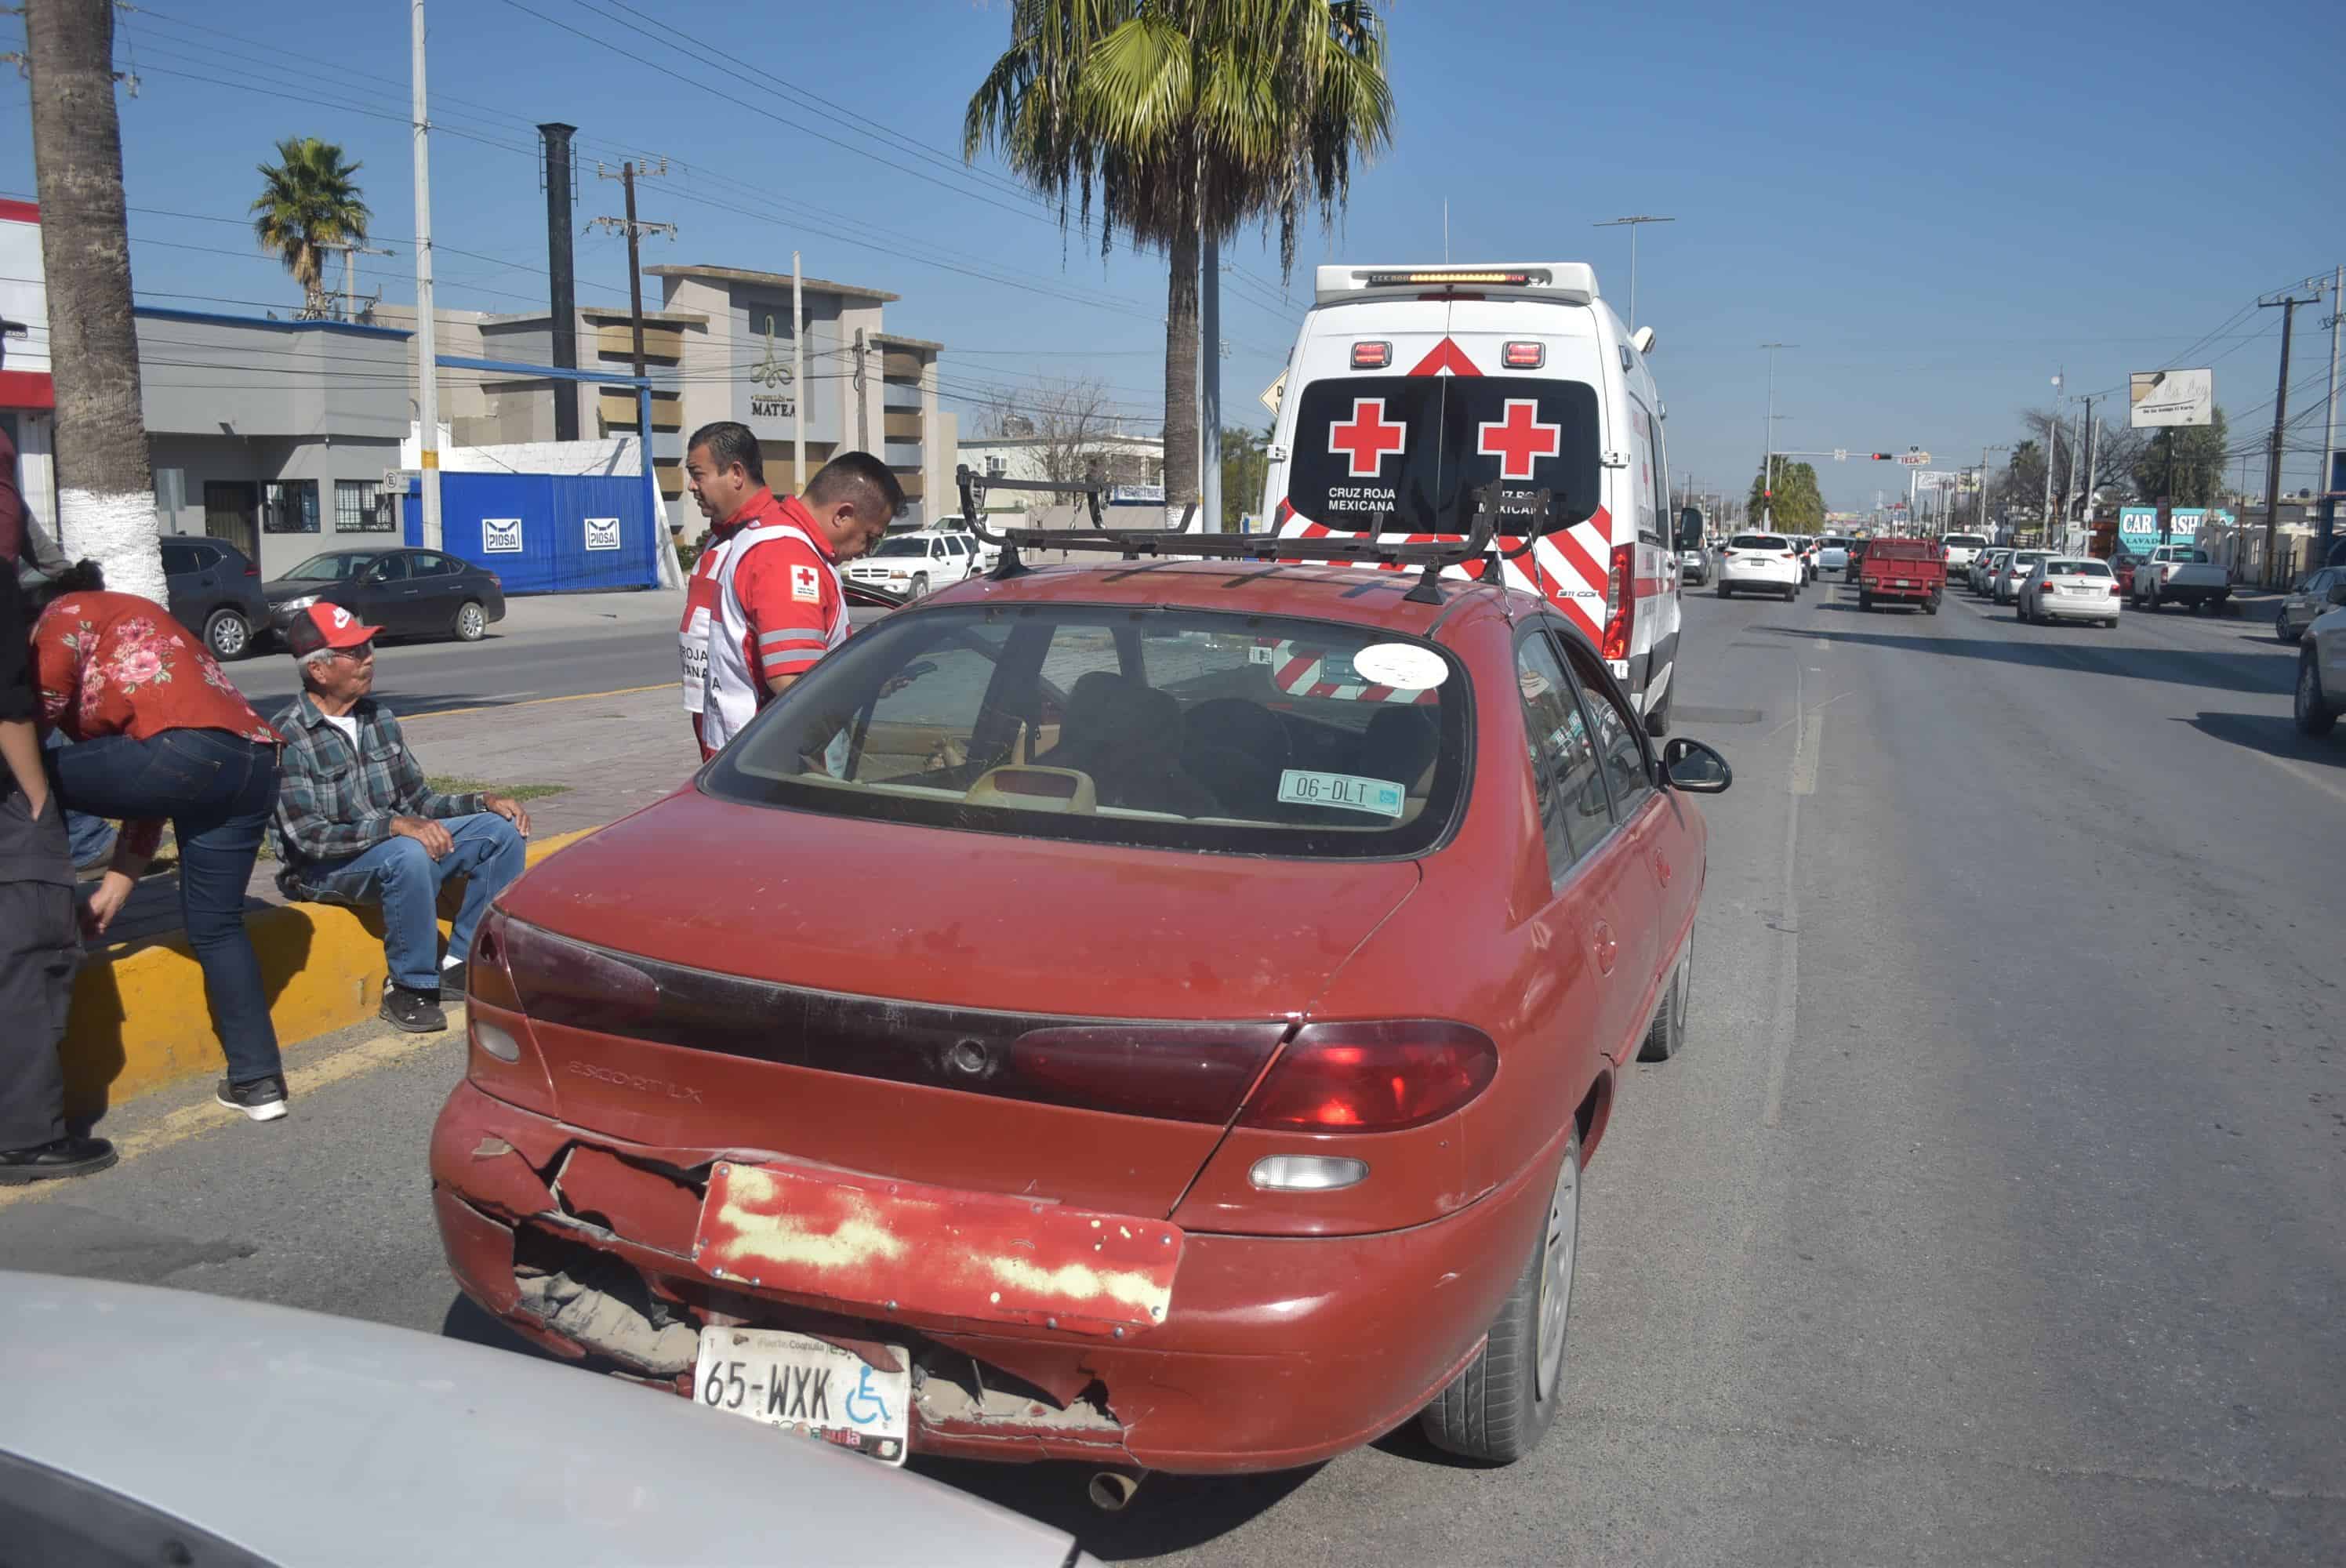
(1993, 1216)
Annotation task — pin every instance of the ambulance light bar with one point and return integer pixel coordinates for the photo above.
(1566, 282)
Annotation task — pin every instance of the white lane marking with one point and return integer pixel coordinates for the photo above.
(1784, 1020)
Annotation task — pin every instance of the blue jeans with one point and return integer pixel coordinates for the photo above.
(217, 790)
(401, 875)
(90, 838)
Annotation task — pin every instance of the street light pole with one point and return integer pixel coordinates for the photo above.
(427, 367)
(1632, 223)
(1767, 480)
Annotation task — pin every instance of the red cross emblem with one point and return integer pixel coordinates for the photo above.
(1519, 439)
(1367, 440)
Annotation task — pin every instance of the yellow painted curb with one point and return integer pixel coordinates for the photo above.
(140, 1018)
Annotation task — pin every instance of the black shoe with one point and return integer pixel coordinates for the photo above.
(55, 1160)
(452, 981)
(263, 1099)
(417, 1011)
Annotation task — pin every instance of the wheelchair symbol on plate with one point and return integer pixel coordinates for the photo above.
(865, 1393)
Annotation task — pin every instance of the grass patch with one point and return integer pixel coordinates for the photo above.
(448, 784)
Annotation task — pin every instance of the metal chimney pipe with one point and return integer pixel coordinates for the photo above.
(561, 264)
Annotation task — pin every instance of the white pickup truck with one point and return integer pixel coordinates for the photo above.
(2180, 575)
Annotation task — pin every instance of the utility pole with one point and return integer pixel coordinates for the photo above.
(1633, 224)
(2093, 454)
(352, 250)
(2287, 304)
(106, 491)
(1767, 490)
(2324, 528)
(427, 345)
(1210, 390)
(2052, 440)
(797, 381)
(1980, 522)
(862, 407)
(635, 231)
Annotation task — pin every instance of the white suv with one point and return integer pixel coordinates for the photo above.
(2321, 673)
(1760, 563)
(916, 563)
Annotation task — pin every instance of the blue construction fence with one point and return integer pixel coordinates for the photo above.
(545, 533)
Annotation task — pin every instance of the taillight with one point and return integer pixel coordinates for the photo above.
(1372, 1077)
(487, 979)
(558, 981)
(1371, 356)
(505, 1061)
(2114, 590)
(1184, 1073)
(250, 570)
(1620, 601)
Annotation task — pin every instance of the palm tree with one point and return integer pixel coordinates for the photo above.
(308, 205)
(106, 491)
(1184, 118)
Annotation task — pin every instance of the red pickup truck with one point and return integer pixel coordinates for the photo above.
(1902, 571)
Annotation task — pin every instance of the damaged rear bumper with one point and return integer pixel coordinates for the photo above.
(1268, 1351)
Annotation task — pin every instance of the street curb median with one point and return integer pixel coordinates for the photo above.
(140, 1018)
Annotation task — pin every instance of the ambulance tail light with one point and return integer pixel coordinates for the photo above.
(1371, 356)
(1525, 356)
(1377, 1077)
(1620, 602)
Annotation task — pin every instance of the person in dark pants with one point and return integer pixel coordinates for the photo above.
(161, 735)
(38, 944)
(358, 822)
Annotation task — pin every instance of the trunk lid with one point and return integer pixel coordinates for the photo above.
(779, 981)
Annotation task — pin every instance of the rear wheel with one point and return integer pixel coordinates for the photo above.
(2315, 713)
(1666, 1034)
(228, 634)
(1498, 1409)
(1931, 605)
(471, 622)
(2283, 630)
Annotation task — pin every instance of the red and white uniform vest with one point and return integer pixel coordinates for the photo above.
(764, 602)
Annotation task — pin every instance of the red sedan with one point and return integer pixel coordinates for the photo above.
(1150, 1015)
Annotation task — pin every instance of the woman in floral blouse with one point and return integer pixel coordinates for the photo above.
(163, 735)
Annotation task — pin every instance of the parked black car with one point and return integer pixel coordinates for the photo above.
(215, 590)
(407, 593)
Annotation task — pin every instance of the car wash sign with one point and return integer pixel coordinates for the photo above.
(2138, 526)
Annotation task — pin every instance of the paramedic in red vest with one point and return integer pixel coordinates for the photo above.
(765, 603)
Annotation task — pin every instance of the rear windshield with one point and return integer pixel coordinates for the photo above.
(2076, 569)
(901, 545)
(1171, 729)
(1964, 541)
(2028, 558)
(1405, 454)
(2192, 557)
(1758, 542)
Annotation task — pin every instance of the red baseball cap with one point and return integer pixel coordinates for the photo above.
(324, 625)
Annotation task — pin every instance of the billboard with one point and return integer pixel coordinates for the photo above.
(2170, 397)
(2138, 526)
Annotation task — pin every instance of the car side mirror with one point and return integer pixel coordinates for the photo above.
(1694, 768)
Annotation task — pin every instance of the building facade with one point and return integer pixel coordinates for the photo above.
(273, 435)
(27, 399)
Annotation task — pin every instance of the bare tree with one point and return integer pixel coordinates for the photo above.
(105, 493)
(1070, 421)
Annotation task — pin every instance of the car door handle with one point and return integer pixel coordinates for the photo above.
(1608, 951)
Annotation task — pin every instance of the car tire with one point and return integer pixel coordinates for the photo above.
(1665, 1035)
(1792, 595)
(2315, 715)
(2282, 628)
(228, 634)
(471, 622)
(919, 587)
(1931, 605)
(1497, 1410)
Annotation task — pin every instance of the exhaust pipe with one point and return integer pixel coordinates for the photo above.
(1111, 1490)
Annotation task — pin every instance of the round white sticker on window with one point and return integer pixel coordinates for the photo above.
(1400, 665)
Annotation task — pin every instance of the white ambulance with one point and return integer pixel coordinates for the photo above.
(1411, 387)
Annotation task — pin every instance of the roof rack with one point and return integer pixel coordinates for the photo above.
(1132, 543)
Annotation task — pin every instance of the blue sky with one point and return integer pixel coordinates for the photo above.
(1940, 211)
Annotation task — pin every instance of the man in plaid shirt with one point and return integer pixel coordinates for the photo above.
(356, 822)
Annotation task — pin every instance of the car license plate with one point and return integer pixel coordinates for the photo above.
(810, 1387)
(1903, 582)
